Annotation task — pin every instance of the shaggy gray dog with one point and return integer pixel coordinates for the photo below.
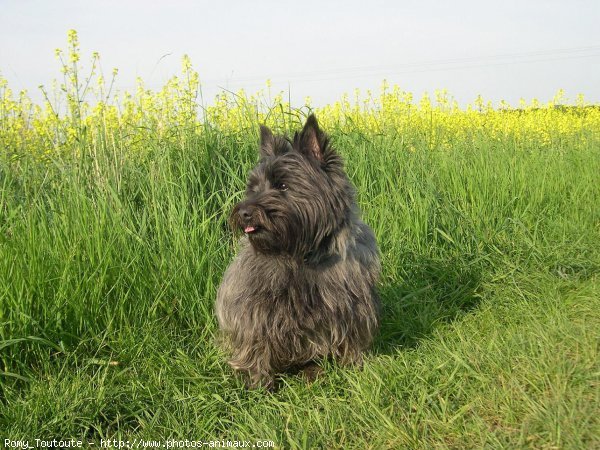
(302, 286)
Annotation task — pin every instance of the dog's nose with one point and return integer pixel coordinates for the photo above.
(245, 213)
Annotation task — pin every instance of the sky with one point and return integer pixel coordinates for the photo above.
(320, 49)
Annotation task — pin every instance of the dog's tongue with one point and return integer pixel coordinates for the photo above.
(249, 229)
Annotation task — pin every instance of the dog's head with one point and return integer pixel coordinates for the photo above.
(297, 196)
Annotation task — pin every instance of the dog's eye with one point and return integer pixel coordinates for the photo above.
(280, 186)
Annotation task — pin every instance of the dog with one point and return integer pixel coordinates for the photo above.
(302, 287)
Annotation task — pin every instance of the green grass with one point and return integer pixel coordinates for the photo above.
(109, 266)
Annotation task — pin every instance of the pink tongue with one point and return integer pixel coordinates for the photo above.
(249, 229)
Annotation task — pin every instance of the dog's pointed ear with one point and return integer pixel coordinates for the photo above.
(267, 142)
(312, 141)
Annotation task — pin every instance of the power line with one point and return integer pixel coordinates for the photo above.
(458, 67)
(425, 66)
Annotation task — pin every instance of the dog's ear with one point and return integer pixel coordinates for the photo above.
(267, 142)
(312, 141)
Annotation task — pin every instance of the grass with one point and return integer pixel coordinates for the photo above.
(109, 265)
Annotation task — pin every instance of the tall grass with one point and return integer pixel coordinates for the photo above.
(113, 242)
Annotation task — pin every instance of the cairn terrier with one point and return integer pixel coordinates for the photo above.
(302, 286)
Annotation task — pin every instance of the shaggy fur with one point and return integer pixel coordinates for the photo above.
(302, 286)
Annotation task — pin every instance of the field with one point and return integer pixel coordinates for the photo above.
(114, 237)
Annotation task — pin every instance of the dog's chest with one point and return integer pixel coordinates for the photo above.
(295, 283)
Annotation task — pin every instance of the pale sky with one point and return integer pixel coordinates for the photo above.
(502, 49)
